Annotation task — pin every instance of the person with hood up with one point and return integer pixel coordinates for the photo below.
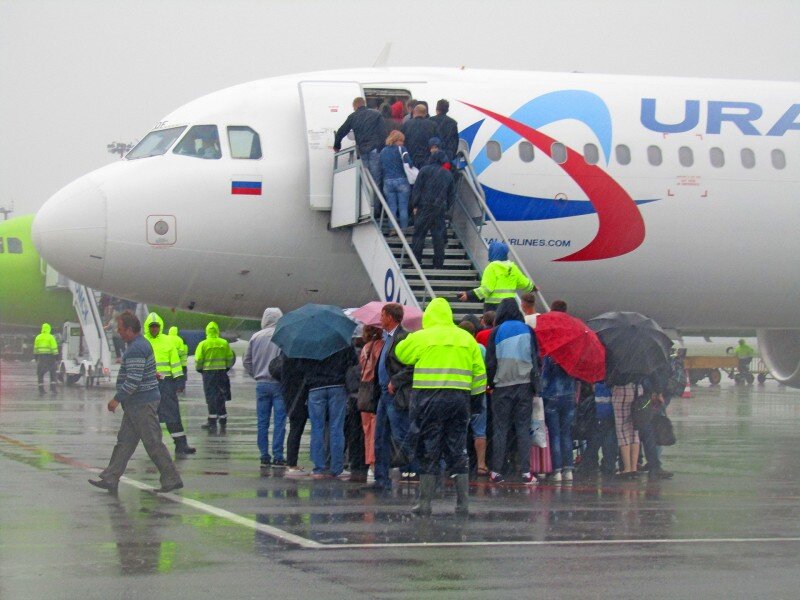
(45, 351)
(448, 369)
(169, 374)
(213, 357)
(501, 279)
(269, 398)
(512, 367)
(434, 191)
(183, 354)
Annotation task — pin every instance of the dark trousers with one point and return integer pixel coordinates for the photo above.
(512, 407)
(427, 221)
(442, 417)
(354, 438)
(46, 363)
(603, 436)
(140, 423)
(297, 423)
(169, 411)
(214, 383)
(648, 438)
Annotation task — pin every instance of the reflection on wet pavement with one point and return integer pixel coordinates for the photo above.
(736, 477)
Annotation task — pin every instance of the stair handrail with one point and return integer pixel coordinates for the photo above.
(472, 180)
(376, 193)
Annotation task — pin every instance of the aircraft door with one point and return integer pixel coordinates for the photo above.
(326, 105)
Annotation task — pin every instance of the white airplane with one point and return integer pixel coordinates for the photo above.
(677, 198)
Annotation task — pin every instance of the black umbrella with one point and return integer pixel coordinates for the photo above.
(636, 346)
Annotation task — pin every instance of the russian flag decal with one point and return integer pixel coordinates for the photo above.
(246, 187)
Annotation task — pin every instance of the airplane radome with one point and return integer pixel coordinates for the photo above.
(677, 198)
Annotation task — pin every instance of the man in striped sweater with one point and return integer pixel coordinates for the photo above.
(137, 393)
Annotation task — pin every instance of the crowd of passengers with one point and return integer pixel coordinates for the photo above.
(523, 429)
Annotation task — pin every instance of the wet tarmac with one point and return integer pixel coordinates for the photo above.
(726, 526)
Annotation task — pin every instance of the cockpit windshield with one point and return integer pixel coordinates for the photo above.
(201, 141)
(155, 143)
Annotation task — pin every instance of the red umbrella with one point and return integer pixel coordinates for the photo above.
(571, 343)
(370, 314)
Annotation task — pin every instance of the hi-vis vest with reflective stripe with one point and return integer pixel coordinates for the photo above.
(45, 343)
(213, 354)
(502, 279)
(443, 355)
(168, 363)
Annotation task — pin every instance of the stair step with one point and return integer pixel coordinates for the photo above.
(443, 284)
(438, 273)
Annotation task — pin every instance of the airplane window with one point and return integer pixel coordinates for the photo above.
(685, 156)
(558, 152)
(244, 142)
(525, 151)
(590, 154)
(155, 143)
(748, 158)
(14, 245)
(493, 151)
(201, 141)
(654, 155)
(623, 154)
(778, 159)
(717, 157)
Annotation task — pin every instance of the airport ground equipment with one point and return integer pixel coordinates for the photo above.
(395, 273)
(712, 367)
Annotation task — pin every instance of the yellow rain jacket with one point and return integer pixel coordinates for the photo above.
(168, 363)
(213, 353)
(45, 343)
(183, 349)
(443, 355)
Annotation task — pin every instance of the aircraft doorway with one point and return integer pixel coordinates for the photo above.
(384, 99)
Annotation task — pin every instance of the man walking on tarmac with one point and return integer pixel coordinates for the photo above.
(501, 279)
(45, 350)
(213, 357)
(137, 392)
(448, 369)
(169, 373)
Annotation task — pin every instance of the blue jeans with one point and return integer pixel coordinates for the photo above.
(397, 192)
(269, 398)
(558, 415)
(327, 405)
(390, 424)
(373, 163)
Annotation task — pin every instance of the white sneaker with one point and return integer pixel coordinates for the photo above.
(556, 477)
(370, 476)
(567, 475)
(295, 473)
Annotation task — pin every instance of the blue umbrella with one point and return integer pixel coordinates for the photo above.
(313, 331)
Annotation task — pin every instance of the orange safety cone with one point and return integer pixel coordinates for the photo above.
(687, 391)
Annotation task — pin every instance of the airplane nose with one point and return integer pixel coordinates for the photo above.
(70, 231)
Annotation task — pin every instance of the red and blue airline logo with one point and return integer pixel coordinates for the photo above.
(621, 227)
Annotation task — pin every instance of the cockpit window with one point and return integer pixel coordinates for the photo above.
(244, 142)
(155, 143)
(201, 141)
(14, 245)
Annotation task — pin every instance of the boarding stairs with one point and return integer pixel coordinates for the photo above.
(386, 251)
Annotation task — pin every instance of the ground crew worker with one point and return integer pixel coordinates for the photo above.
(183, 354)
(448, 369)
(213, 357)
(501, 279)
(169, 373)
(45, 350)
(743, 352)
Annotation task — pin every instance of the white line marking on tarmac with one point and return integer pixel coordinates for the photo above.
(274, 532)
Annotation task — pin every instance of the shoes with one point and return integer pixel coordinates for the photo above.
(529, 479)
(265, 463)
(566, 475)
(496, 477)
(344, 475)
(295, 473)
(279, 462)
(659, 474)
(357, 477)
(481, 472)
(169, 487)
(556, 477)
(643, 467)
(409, 476)
(105, 485)
(184, 450)
(319, 476)
(210, 427)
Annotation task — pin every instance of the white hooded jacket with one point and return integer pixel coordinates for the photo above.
(261, 350)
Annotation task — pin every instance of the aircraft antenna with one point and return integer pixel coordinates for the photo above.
(383, 57)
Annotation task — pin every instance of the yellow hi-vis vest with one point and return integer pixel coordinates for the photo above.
(183, 349)
(501, 279)
(443, 355)
(45, 343)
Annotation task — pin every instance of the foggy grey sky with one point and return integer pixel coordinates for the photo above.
(79, 74)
